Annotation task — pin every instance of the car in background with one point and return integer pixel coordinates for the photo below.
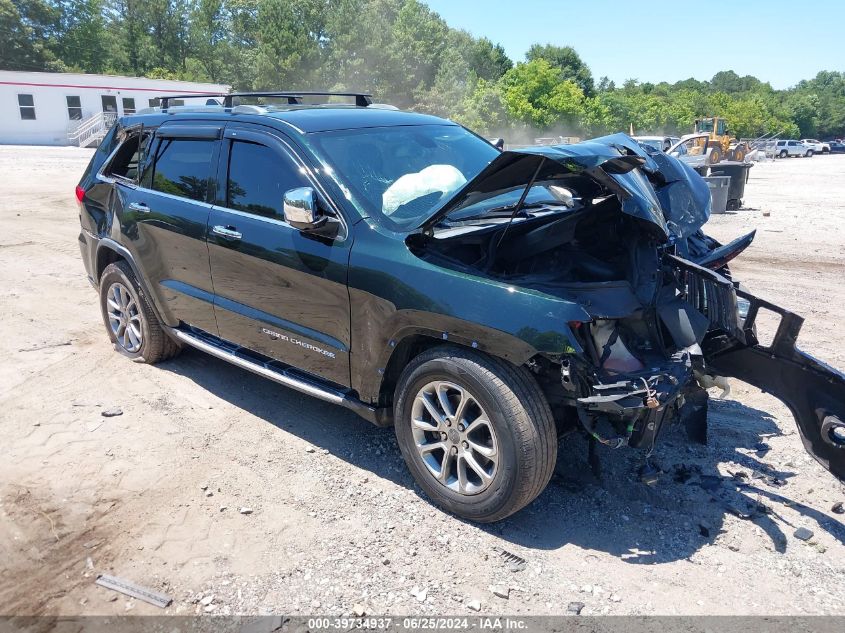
(792, 148)
(661, 143)
(692, 149)
(817, 146)
(836, 147)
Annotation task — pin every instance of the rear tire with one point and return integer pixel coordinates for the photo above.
(131, 323)
(484, 459)
(809, 153)
(784, 153)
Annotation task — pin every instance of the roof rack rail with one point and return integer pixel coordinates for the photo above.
(362, 99)
(166, 99)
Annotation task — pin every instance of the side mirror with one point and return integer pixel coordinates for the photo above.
(498, 143)
(676, 153)
(301, 210)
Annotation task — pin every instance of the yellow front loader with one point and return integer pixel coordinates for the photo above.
(723, 144)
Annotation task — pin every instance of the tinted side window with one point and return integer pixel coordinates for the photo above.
(182, 167)
(258, 179)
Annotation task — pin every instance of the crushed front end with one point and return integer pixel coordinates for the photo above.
(613, 231)
(646, 370)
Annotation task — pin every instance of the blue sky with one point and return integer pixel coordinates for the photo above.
(778, 41)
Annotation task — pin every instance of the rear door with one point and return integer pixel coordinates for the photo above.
(278, 291)
(165, 220)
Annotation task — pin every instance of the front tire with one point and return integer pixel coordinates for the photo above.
(476, 432)
(131, 323)
(715, 155)
(809, 153)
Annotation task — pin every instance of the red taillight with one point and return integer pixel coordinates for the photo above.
(80, 193)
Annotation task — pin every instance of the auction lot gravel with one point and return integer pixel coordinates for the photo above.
(237, 496)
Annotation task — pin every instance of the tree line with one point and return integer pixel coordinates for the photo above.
(404, 54)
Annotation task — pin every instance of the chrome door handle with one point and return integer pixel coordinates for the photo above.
(139, 206)
(227, 232)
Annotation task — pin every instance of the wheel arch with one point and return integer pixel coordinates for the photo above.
(401, 354)
(110, 252)
(402, 349)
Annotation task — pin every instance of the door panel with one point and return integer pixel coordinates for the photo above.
(165, 220)
(277, 291)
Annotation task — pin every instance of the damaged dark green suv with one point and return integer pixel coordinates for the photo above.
(482, 302)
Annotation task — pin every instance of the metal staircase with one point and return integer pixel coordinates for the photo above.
(91, 131)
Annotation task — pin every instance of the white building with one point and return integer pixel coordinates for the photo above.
(77, 109)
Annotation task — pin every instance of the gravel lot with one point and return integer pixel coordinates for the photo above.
(156, 494)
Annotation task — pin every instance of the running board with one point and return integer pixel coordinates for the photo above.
(283, 376)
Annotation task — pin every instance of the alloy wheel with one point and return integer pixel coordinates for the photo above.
(124, 318)
(454, 437)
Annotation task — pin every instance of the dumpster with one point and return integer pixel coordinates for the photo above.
(739, 176)
(719, 187)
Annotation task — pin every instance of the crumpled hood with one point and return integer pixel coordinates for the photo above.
(653, 187)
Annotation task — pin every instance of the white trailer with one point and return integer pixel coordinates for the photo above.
(77, 109)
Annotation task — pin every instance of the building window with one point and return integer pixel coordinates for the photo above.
(154, 103)
(109, 103)
(27, 106)
(74, 108)
(128, 105)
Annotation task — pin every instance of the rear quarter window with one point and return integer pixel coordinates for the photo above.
(126, 159)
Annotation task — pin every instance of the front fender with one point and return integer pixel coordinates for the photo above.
(394, 294)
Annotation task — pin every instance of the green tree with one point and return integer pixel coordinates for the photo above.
(488, 60)
(484, 110)
(534, 94)
(566, 59)
(402, 52)
(82, 42)
(415, 50)
(24, 29)
(289, 37)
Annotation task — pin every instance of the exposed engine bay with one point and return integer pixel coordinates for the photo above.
(616, 230)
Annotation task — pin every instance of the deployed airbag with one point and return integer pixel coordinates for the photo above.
(432, 179)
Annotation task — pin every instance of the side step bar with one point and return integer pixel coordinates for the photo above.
(284, 377)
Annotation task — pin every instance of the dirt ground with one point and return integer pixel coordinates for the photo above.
(155, 495)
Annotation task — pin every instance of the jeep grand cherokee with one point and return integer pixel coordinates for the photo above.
(484, 303)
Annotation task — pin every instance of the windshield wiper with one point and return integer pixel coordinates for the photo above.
(505, 211)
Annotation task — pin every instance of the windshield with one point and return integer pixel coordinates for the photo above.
(400, 174)
(656, 143)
